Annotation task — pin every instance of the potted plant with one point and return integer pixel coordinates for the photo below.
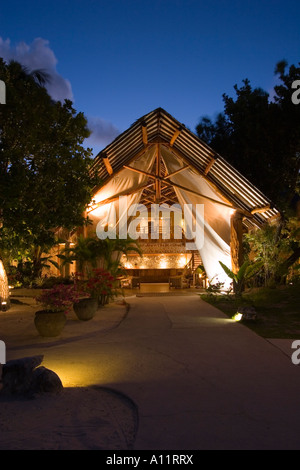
(96, 291)
(56, 303)
(87, 304)
(101, 285)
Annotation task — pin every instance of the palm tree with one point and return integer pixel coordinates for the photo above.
(85, 253)
(40, 76)
(113, 249)
(91, 252)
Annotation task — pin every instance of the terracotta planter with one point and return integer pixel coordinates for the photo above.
(85, 309)
(49, 323)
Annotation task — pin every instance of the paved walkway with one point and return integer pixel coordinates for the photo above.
(199, 380)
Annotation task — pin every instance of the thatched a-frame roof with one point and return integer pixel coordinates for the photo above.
(158, 126)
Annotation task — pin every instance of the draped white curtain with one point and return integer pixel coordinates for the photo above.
(211, 222)
(112, 214)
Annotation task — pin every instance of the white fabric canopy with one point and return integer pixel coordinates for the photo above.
(214, 246)
(211, 222)
(124, 182)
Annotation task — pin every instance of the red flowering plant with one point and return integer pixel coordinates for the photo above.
(99, 285)
(59, 298)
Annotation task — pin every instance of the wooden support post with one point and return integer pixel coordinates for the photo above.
(158, 175)
(236, 241)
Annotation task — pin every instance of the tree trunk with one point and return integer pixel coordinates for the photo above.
(289, 262)
(236, 241)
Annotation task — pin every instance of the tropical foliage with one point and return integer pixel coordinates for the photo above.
(277, 247)
(260, 136)
(44, 168)
(246, 272)
(94, 252)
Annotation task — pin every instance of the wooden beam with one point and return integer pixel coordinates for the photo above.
(187, 162)
(260, 210)
(116, 196)
(107, 165)
(143, 198)
(175, 172)
(134, 157)
(165, 199)
(209, 165)
(244, 212)
(139, 171)
(158, 176)
(199, 194)
(175, 135)
(145, 135)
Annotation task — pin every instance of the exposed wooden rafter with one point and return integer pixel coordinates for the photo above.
(178, 154)
(116, 196)
(132, 159)
(174, 137)
(107, 165)
(177, 171)
(209, 165)
(261, 210)
(199, 194)
(145, 173)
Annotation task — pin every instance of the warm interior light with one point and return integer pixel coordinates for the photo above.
(182, 261)
(163, 264)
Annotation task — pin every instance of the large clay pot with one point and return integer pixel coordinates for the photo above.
(85, 309)
(49, 323)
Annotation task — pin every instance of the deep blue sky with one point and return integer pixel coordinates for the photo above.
(119, 59)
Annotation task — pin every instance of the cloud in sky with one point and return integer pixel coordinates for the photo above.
(38, 55)
(102, 132)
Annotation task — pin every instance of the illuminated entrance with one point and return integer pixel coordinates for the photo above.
(159, 161)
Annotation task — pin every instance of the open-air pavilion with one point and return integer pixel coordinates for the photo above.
(159, 163)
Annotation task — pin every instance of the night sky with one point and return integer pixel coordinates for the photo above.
(119, 59)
